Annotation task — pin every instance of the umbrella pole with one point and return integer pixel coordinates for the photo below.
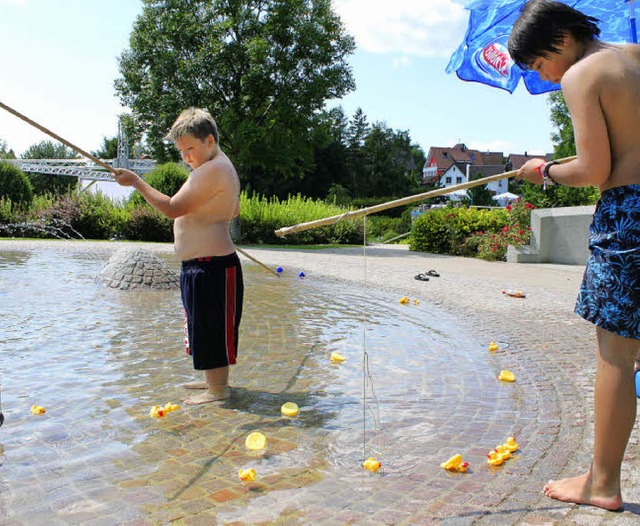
(399, 202)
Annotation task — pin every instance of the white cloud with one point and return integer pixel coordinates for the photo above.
(406, 27)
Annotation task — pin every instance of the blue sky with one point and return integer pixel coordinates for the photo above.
(60, 62)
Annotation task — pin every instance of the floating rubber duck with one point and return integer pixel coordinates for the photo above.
(337, 357)
(506, 376)
(494, 458)
(504, 451)
(511, 444)
(160, 412)
(247, 475)
(404, 300)
(493, 346)
(514, 293)
(455, 463)
(255, 441)
(416, 302)
(37, 409)
(290, 409)
(371, 464)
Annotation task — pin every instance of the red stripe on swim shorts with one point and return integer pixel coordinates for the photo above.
(230, 314)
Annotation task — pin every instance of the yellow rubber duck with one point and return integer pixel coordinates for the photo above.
(493, 346)
(504, 451)
(494, 458)
(37, 409)
(255, 441)
(511, 444)
(506, 376)
(337, 357)
(160, 412)
(247, 475)
(404, 300)
(455, 463)
(371, 464)
(416, 302)
(290, 409)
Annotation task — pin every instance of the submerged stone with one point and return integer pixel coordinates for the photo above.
(133, 268)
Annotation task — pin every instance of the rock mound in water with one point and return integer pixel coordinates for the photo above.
(130, 269)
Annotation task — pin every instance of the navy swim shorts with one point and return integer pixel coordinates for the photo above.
(212, 291)
(610, 292)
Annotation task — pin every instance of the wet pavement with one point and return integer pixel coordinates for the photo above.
(185, 479)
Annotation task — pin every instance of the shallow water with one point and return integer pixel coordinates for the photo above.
(98, 359)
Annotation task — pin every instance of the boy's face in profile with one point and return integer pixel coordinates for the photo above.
(554, 65)
(195, 152)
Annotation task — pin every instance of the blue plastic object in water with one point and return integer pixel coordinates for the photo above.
(279, 270)
(638, 383)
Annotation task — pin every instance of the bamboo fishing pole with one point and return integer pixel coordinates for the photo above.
(99, 162)
(352, 214)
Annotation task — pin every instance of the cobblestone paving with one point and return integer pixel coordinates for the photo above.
(550, 350)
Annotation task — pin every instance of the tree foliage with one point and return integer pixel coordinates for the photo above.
(5, 151)
(564, 144)
(167, 178)
(263, 68)
(50, 184)
(15, 186)
(108, 149)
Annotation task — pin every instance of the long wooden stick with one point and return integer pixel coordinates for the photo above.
(352, 214)
(58, 138)
(258, 262)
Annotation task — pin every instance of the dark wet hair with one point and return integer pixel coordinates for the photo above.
(541, 27)
(196, 122)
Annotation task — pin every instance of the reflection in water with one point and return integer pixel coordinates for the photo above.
(98, 358)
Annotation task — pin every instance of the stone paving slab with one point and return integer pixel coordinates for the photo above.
(551, 351)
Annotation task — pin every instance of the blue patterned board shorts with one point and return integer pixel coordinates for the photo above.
(610, 292)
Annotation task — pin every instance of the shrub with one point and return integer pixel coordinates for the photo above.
(167, 178)
(15, 185)
(147, 224)
(493, 245)
(444, 230)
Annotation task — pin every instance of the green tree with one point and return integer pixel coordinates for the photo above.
(15, 186)
(264, 68)
(109, 148)
(480, 195)
(564, 144)
(167, 178)
(50, 184)
(5, 152)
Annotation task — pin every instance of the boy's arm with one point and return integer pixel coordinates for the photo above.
(196, 191)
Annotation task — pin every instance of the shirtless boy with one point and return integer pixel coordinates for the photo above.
(601, 85)
(211, 276)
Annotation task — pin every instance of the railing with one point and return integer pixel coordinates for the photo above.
(82, 168)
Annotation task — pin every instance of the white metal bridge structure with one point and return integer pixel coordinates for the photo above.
(86, 169)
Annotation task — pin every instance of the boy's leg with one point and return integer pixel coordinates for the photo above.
(217, 381)
(615, 413)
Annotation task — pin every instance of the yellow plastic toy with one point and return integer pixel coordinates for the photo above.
(493, 346)
(247, 475)
(290, 409)
(37, 409)
(371, 464)
(337, 357)
(404, 300)
(455, 463)
(506, 376)
(255, 441)
(511, 444)
(494, 458)
(416, 302)
(160, 412)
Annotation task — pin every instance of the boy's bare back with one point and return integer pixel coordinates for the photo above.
(602, 91)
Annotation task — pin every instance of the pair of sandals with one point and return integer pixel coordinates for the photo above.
(424, 276)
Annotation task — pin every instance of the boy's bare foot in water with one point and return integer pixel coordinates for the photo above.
(579, 490)
(195, 385)
(208, 396)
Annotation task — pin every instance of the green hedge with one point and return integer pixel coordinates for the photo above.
(15, 186)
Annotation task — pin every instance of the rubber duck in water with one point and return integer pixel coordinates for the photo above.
(511, 444)
(493, 346)
(37, 409)
(247, 475)
(455, 463)
(337, 357)
(160, 412)
(506, 376)
(494, 458)
(404, 300)
(371, 464)
(514, 293)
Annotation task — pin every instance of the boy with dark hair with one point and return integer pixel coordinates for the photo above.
(601, 86)
(211, 277)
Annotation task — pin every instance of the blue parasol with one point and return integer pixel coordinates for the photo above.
(483, 56)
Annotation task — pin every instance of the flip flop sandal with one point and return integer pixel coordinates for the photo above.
(433, 273)
(421, 277)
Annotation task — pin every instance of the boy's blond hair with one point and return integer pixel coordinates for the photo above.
(196, 122)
